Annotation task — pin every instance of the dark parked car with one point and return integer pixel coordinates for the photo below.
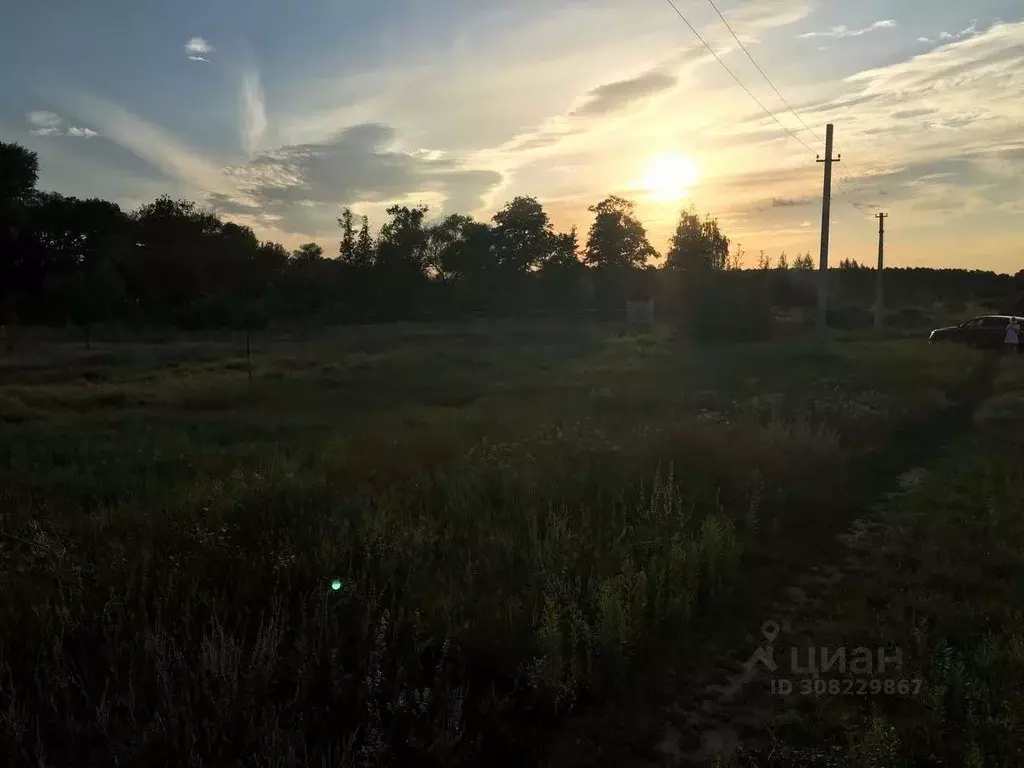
(984, 331)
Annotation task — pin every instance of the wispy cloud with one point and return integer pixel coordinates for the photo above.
(949, 37)
(150, 143)
(197, 48)
(843, 31)
(254, 112)
(612, 97)
(791, 202)
(46, 123)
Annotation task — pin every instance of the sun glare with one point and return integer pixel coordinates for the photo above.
(669, 177)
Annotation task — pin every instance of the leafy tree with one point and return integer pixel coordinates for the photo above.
(19, 171)
(617, 239)
(803, 262)
(697, 246)
(171, 269)
(347, 246)
(565, 252)
(764, 261)
(522, 235)
(444, 242)
(470, 258)
(365, 248)
(403, 240)
(308, 253)
(87, 296)
(783, 262)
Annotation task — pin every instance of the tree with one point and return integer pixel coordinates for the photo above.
(617, 239)
(19, 171)
(764, 261)
(522, 235)
(565, 252)
(470, 257)
(783, 262)
(735, 259)
(697, 246)
(172, 267)
(444, 242)
(87, 296)
(803, 262)
(365, 248)
(307, 253)
(347, 246)
(400, 269)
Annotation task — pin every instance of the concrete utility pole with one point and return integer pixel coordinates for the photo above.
(881, 266)
(826, 206)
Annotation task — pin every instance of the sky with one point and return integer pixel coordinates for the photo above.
(278, 115)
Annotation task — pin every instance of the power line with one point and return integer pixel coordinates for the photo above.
(728, 26)
(765, 76)
(734, 77)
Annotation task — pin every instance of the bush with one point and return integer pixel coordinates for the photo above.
(722, 308)
(849, 318)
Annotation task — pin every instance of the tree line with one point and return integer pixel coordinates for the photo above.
(170, 262)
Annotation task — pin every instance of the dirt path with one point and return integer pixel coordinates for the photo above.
(719, 707)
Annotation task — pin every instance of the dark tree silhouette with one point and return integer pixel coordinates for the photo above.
(697, 245)
(347, 246)
(522, 235)
(84, 261)
(617, 239)
(19, 171)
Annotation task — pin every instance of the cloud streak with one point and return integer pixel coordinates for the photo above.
(150, 143)
(843, 31)
(254, 112)
(618, 95)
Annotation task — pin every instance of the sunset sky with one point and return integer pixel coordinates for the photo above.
(278, 114)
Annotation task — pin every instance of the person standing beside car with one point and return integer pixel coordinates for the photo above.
(1012, 338)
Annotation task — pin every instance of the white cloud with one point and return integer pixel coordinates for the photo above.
(945, 37)
(843, 31)
(197, 47)
(254, 112)
(198, 58)
(44, 123)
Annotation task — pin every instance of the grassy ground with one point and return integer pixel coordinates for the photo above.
(934, 578)
(408, 545)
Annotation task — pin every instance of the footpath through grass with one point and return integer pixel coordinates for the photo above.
(934, 579)
(401, 546)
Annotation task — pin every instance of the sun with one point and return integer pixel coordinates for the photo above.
(669, 176)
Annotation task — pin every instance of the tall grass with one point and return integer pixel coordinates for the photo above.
(170, 567)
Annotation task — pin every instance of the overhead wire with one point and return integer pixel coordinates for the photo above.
(846, 176)
(734, 77)
(778, 93)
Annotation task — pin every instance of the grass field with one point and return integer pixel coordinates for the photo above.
(420, 545)
(936, 576)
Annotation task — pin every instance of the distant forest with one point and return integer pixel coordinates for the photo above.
(171, 263)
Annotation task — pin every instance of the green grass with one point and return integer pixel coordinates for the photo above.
(939, 578)
(523, 520)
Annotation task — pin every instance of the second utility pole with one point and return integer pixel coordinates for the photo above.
(881, 266)
(826, 205)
